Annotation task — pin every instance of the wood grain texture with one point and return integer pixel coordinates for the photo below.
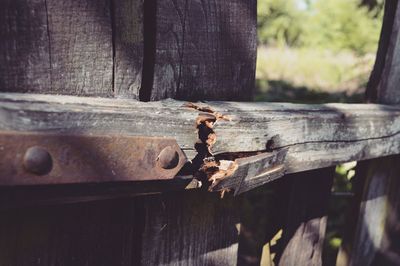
(315, 135)
(24, 46)
(127, 16)
(199, 229)
(377, 235)
(81, 49)
(304, 232)
(205, 50)
(91, 48)
(383, 84)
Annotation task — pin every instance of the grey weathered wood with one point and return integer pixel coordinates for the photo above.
(315, 135)
(199, 229)
(204, 50)
(92, 48)
(377, 235)
(24, 46)
(304, 232)
(127, 16)
(375, 241)
(383, 84)
(81, 48)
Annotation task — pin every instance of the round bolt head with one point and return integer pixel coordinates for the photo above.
(37, 160)
(168, 158)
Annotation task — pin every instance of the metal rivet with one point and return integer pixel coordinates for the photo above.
(37, 160)
(168, 158)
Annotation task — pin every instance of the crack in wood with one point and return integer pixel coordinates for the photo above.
(272, 146)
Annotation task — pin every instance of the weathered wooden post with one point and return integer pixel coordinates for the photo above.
(375, 236)
(145, 50)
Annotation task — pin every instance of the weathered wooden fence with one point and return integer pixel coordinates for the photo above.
(84, 202)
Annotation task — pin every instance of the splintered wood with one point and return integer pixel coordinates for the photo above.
(214, 170)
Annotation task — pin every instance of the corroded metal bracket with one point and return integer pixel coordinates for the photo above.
(39, 159)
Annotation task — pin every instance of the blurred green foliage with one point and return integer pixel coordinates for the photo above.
(278, 22)
(336, 25)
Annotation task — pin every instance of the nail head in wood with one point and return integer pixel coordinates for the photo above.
(37, 160)
(168, 158)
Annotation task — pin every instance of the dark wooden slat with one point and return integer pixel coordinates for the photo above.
(376, 236)
(97, 233)
(127, 16)
(304, 231)
(24, 46)
(86, 47)
(196, 228)
(81, 51)
(383, 84)
(205, 50)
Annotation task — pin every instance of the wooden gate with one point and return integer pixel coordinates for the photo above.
(85, 202)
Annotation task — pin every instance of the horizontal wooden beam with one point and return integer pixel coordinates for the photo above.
(315, 136)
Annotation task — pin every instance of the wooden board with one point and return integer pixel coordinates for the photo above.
(24, 46)
(315, 135)
(199, 229)
(304, 229)
(128, 45)
(92, 48)
(204, 50)
(383, 84)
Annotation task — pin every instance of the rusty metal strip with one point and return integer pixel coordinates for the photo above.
(39, 159)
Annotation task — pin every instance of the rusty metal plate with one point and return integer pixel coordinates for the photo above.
(38, 159)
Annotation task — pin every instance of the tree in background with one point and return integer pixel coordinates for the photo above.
(342, 25)
(336, 25)
(278, 22)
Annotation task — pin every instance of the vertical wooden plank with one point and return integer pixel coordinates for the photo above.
(190, 228)
(81, 52)
(382, 86)
(304, 232)
(377, 231)
(127, 16)
(24, 46)
(207, 46)
(97, 233)
(376, 238)
(92, 48)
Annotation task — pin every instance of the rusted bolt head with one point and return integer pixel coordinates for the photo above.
(37, 160)
(168, 158)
